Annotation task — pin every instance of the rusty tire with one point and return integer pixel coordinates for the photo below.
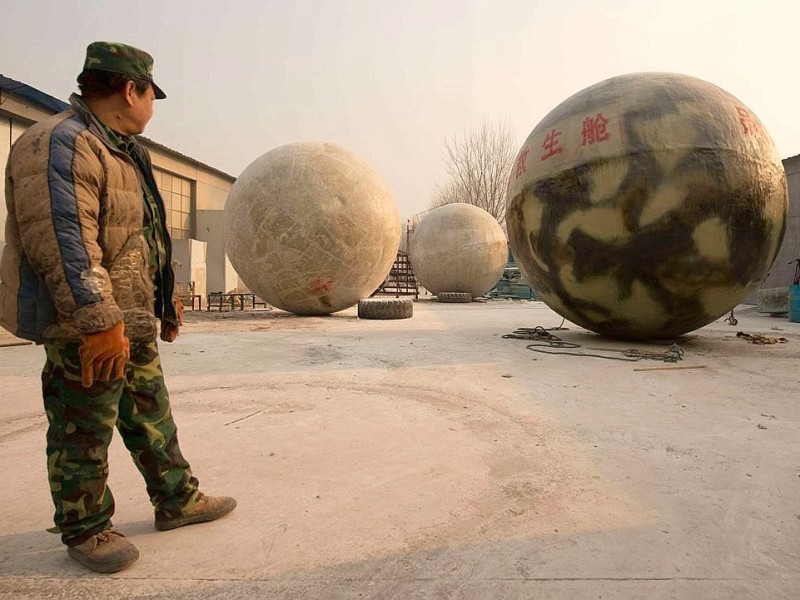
(385, 308)
(454, 297)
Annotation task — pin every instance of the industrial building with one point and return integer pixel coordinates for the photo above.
(783, 269)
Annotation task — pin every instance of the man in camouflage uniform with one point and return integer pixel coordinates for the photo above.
(87, 272)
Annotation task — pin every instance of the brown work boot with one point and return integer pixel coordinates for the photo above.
(105, 552)
(203, 508)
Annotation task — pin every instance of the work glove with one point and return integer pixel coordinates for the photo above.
(169, 331)
(104, 355)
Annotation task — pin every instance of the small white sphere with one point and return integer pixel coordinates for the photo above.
(311, 228)
(458, 248)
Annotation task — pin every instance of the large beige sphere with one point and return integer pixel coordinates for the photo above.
(647, 205)
(458, 248)
(311, 228)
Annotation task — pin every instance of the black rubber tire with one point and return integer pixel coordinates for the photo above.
(454, 297)
(385, 308)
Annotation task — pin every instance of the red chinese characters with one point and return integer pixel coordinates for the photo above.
(748, 122)
(523, 157)
(551, 144)
(595, 130)
(322, 285)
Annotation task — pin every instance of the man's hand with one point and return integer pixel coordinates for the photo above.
(169, 331)
(104, 355)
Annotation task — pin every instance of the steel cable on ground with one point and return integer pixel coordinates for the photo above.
(553, 342)
(674, 354)
(536, 333)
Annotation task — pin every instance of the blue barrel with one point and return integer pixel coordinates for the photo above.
(794, 303)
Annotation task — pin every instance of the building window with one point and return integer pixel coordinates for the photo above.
(177, 194)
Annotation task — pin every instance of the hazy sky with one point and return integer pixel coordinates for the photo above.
(392, 80)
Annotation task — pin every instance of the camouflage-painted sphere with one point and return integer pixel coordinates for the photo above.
(311, 228)
(647, 205)
(458, 248)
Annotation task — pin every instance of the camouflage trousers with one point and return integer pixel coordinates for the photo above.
(82, 422)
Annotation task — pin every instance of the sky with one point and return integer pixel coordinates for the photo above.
(392, 81)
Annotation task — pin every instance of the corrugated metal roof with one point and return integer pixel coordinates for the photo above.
(185, 158)
(22, 90)
(26, 92)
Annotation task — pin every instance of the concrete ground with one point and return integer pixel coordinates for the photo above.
(432, 458)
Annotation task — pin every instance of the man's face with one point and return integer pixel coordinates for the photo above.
(141, 109)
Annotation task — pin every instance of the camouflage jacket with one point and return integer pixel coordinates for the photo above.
(76, 260)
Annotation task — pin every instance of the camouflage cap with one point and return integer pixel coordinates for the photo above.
(113, 57)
